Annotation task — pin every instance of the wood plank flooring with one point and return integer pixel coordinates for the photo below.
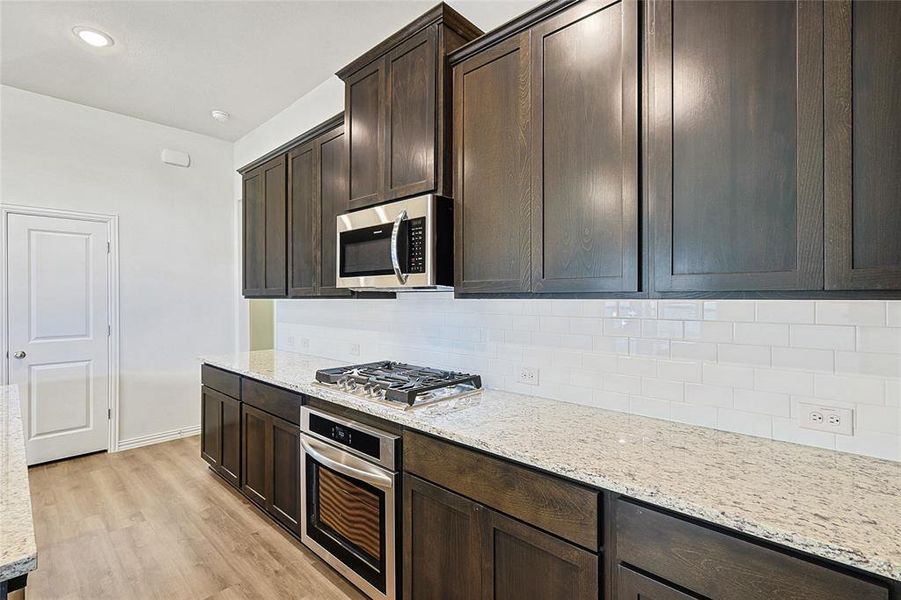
(154, 522)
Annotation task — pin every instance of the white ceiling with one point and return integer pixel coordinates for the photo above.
(175, 61)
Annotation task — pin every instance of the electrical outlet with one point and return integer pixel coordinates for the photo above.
(304, 343)
(355, 349)
(834, 419)
(291, 341)
(528, 375)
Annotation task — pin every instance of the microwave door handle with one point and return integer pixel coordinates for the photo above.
(395, 258)
(318, 452)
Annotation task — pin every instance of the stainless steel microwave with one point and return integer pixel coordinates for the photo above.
(402, 245)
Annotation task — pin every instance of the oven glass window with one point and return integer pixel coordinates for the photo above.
(366, 252)
(347, 518)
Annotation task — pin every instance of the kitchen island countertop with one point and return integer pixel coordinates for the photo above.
(18, 552)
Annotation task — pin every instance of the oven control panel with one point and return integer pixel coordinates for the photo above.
(345, 435)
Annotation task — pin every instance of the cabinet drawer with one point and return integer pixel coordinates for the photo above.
(274, 400)
(222, 381)
(719, 566)
(560, 507)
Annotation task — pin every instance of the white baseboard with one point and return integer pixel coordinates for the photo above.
(156, 438)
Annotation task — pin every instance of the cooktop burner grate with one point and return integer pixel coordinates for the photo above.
(399, 382)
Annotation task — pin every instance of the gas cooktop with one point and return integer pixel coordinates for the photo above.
(399, 384)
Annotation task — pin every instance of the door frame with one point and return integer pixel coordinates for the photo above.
(112, 232)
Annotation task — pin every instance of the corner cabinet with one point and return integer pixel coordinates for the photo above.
(396, 115)
(546, 156)
(265, 248)
(735, 164)
(863, 145)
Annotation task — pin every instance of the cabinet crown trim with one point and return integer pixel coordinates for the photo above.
(306, 136)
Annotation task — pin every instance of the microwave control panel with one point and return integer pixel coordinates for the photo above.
(416, 245)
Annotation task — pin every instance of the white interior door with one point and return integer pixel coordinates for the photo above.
(58, 317)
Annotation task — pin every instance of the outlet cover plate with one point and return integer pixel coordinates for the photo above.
(527, 375)
(822, 417)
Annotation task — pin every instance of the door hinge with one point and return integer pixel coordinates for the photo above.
(109, 413)
(109, 330)
(107, 247)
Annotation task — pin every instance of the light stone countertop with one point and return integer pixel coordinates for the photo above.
(18, 552)
(838, 506)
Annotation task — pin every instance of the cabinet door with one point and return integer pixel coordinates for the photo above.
(302, 220)
(230, 465)
(265, 250)
(285, 457)
(863, 145)
(736, 145)
(364, 124)
(333, 202)
(256, 465)
(442, 546)
(410, 143)
(210, 426)
(492, 189)
(635, 586)
(585, 149)
(523, 562)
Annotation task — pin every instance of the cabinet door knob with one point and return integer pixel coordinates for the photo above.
(20, 354)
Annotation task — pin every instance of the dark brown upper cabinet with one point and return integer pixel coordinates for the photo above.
(303, 221)
(396, 111)
(585, 149)
(492, 200)
(334, 198)
(546, 154)
(863, 145)
(265, 249)
(735, 161)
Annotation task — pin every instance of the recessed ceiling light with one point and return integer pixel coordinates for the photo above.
(220, 115)
(93, 37)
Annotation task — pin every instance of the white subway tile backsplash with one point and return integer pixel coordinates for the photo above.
(769, 403)
(879, 339)
(744, 422)
(740, 365)
(709, 395)
(729, 310)
(771, 334)
(743, 355)
(867, 363)
(786, 382)
(736, 377)
(825, 337)
(857, 312)
(693, 350)
(786, 311)
(803, 358)
(708, 331)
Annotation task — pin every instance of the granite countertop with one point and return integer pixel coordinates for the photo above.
(838, 506)
(18, 552)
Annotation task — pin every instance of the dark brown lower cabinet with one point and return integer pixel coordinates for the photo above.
(483, 554)
(220, 434)
(271, 465)
(635, 586)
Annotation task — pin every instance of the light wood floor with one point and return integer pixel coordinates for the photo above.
(154, 522)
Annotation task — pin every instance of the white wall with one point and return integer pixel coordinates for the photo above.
(737, 365)
(176, 231)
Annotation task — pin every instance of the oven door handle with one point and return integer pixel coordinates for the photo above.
(395, 254)
(360, 469)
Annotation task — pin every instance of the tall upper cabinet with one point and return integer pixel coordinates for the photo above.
(735, 157)
(546, 153)
(397, 121)
(863, 145)
(264, 229)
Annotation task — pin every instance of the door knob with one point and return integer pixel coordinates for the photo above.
(20, 354)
